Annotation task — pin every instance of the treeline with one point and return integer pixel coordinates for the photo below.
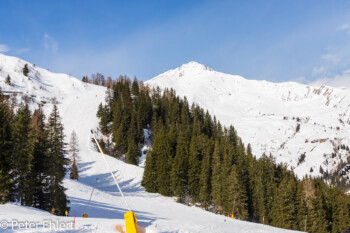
(99, 79)
(199, 161)
(32, 158)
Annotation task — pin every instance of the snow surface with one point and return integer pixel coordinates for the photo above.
(77, 103)
(265, 114)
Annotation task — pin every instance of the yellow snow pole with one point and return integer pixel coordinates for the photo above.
(130, 218)
(130, 222)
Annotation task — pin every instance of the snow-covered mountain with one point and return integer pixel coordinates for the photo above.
(288, 120)
(77, 103)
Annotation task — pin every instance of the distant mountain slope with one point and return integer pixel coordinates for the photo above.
(267, 115)
(78, 103)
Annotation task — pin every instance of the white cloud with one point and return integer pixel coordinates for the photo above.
(341, 80)
(4, 48)
(50, 43)
(344, 27)
(300, 79)
(20, 51)
(318, 70)
(331, 57)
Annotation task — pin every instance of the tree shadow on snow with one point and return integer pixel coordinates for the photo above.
(105, 183)
(108, 211)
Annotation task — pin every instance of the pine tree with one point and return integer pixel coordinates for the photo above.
(120, 138)
(317, 216)
(284, 204)
(162, 147)
(38, 174)
(300, 207)
(257, 193)
(56, 152)
(135, 87)
(149, 180)
(22, 154)
(216, 177)
(194, 169)
(8, 80)
(133, 153)
(179, 170)
(339, 209)
(5, 153)
(74, 173)
(237, 198)
(74, 150)
(205, 175)
(25, 70)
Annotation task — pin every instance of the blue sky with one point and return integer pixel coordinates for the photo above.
(272, 40)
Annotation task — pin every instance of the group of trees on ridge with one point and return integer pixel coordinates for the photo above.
(33, 157)
(196, 159)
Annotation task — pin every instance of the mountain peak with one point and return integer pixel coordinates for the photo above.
(192, 65)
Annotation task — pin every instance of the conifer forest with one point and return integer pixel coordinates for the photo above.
(200, 162)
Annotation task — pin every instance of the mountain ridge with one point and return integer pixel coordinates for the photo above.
(267, 114)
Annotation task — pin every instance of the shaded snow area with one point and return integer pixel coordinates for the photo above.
(77, 103)
(284, 119)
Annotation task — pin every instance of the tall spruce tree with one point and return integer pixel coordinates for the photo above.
(205, 175)
(162, 147)
(38, 174)
(133, 153)
(74, 153)
(194, 168)
(5, 152)
(149, 180)
(216, 180)
(57, 170)
(22, 155)
(237, 199)
(179, 176)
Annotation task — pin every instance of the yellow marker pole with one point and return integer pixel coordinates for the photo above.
(130, 222)
(66, 213)
(130, 218)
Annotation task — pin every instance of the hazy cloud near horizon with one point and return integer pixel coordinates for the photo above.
(4, 48)
(341, 80)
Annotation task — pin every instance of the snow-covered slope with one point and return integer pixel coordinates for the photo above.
(267, 115)
(77, 103)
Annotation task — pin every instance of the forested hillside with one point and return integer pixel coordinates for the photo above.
(32, 157)
(199, 161)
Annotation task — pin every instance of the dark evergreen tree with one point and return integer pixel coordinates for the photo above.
(8, 80)
(237, 198)
(135, 87)
(22, 155)
(25, 70)
(300, 207)
(283, 206)
(216, 180)
(180, 167)
(205, 175)
(133, 153)
(74, 153)
(194, 168)
(149, 180)
(162, 147)
(5, 152)
(317, 216)
(38, 174)
(56, 168)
